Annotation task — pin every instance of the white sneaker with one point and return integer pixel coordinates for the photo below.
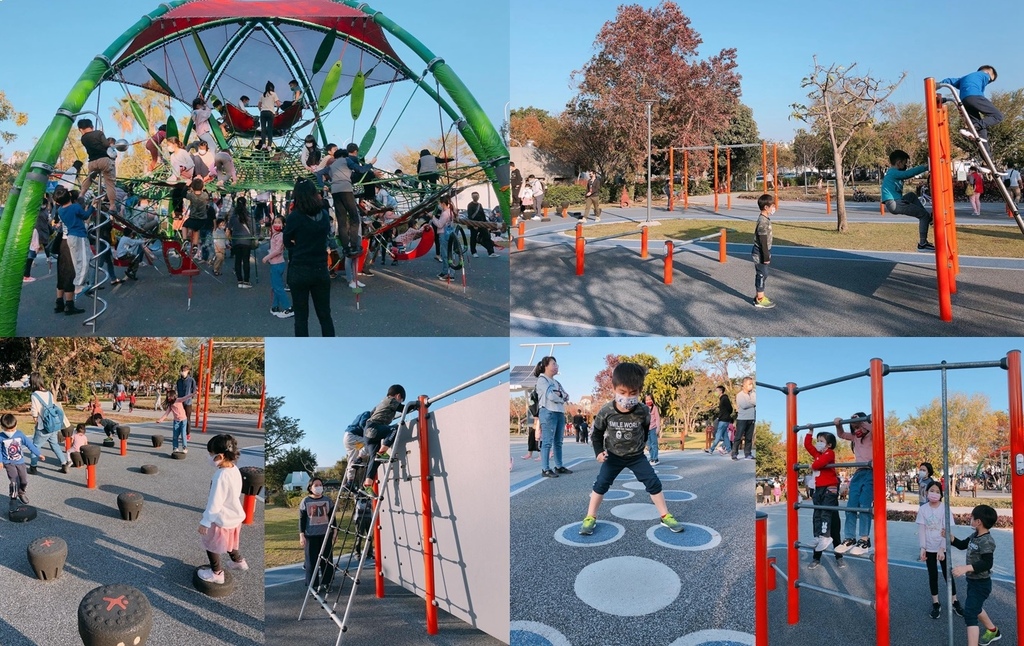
(475, 256)
(970, 135)
(824, 542)
(356, 284)
(241, 565)
(208, 575)
(287, 314)
(536, 217)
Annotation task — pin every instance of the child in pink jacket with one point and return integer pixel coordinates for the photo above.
(282, 305)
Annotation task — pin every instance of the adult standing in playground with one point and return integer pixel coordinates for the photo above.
(268, 105)
(314, 527)
(479, 235)
(857, 531)
(537, 187)
(305, 237)
(47, 415)
(551, 399)
(592, 198)
(746, 416)
(975, 189)
(186, 390)
(578, 423)
(722, 422)
(1012, 178)
(655, 430)
(517, 185)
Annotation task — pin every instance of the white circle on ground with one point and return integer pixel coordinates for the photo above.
(649, 587)
(634, 485)
(669, 476)
(587, 541)
(625, 475)
(543, 631)
(663, 467)
(714, 637)
(618, 494)
(672, 495)
(636, 511)
(714, 538)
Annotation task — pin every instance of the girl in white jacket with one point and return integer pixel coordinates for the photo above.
(222, 521)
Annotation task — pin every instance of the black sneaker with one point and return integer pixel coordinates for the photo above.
(70, 309)
(32, 471)
(814, 565)
(58, 308)
(957, 608)
(840, 563)
(562, 470)
(925, 246)
(23, 497)
(366, 272)
(936, 611)
(548, 473)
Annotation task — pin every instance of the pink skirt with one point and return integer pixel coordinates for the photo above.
(221, 541)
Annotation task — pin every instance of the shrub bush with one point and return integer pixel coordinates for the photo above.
(14, 399)
(555, 196)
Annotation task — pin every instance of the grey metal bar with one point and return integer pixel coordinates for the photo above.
(710, 236)
(472, 382)
(761, 384)
(835, 593)
(848, 465)
(852, 420)
(968, 365)
(835, 381)
(780, 572)
(810, 548)
(859, 510)
(611, 237)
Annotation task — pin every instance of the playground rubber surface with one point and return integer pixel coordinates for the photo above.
(910, 601)
(403, 300)
(633, 581)
(398, 618)
(156, 553)
(817, 291)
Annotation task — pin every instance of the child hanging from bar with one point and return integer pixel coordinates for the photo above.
(931, 534)
(379, 433)
(621, 430)
(861, 492)
(981, 549)
(826, 490)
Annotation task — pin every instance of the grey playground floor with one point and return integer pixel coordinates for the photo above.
(403, 300)
(817, 291)
(632, 582)
(854, 625)
(156, 553)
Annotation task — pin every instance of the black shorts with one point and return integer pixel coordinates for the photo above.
(195, 224)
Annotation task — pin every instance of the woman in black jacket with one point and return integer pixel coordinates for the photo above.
(305, 237)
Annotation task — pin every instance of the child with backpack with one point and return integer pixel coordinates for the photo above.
(621, 430)
(13, 456)
(50, 420)
(931, 534)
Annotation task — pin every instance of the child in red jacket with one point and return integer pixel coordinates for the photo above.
(826, 488)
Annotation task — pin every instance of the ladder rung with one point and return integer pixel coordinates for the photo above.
(835, 593)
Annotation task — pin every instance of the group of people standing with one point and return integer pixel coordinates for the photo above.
(735, 427)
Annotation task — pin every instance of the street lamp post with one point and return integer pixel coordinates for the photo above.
(647, 223)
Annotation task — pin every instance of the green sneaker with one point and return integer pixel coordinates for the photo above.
(990, 636)
(587, 528)
(763, 303)
(383, 457)
(669, 521)
(368, 490)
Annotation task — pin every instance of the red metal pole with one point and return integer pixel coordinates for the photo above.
(249, 505)
(579, 230)
(1013, 369)
(761, 579)
(953, 256)
(714, 164)
(686, 179)
(200, 374)
(792, 516)
(721, 247)
(775, 175)
(881, 544)
(427, 504)
(728, 179)
(940, 162)
(580, 243)
(671, 181)
(124, 447)
(90, 476)
(668, 262)
(209, 379)
(67, 444)
(378, 557)
(828, 200)
(643, 242)
(263, 405)
(764, 165)
(521, 241)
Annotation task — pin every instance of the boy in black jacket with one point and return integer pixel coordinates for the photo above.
(762, 251)
(620, 435)
(379, 431)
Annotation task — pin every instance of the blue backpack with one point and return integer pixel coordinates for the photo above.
(52, 415)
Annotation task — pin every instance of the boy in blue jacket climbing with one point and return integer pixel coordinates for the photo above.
(899, 204)
(983, 113)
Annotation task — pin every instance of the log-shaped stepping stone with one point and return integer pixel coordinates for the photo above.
(114, 615)
(150, 469)
(179, 455)
(158, 440)
(252, 480)
(76, 458)
(20, 513)
(46, 556)
(108, 442)
(123, 432)
(129, 504)
(213, 589)
(91, 454)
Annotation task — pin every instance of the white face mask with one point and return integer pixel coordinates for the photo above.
(626, 402)
(934, 496)
(821, 446)
(212, 459)
(922, 474)
(317, 490)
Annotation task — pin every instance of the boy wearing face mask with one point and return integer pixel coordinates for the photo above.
(981, 549)
(931, 534)
(621, 430)
(861, 494)
(826, 489)
(762, 251)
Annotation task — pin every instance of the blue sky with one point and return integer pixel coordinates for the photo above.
(326, 383)
(583, 358)
(470, 36)
(780, 360)
(775, 43)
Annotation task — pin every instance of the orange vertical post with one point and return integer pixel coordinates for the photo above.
(643, 242)
(521, 240)
(263, 405)
(579, 230)
(67, 444)
(760, 579)
(775, 166)
(764, 165)
(668, 262)
(947, 181)
(249, 507)
(728, 179)
(124, 447)
(90, 476)
(671, 180)
(545, 212)
(209, 379)
(792, 519)
(828, 200)
(714, 165)
(427, 503)
(722, 257)
(881, 543)
(580, 243)
(199, 381)
(378, 554)
(686, 179)
(941, 199)
(1013, 369)
(565, 210)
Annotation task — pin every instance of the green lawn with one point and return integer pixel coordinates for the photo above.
(281, 534)
(990, 241)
